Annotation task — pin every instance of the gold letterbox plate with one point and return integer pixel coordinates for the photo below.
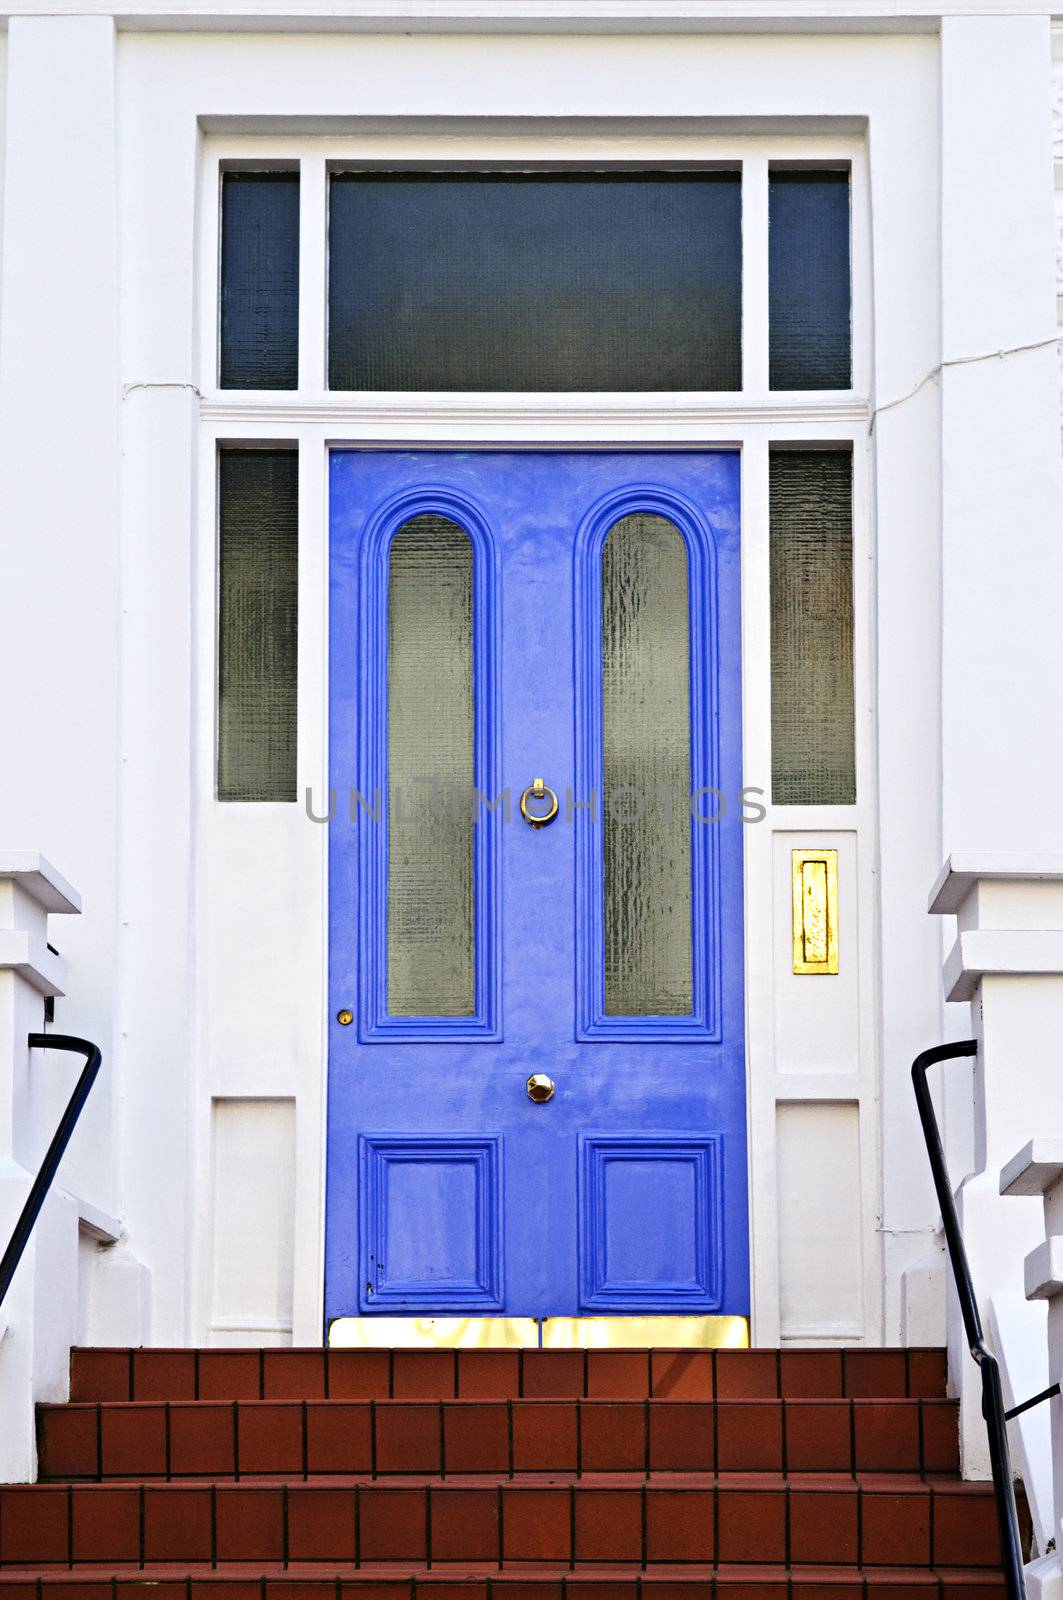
(815, 911)
(558, 1333)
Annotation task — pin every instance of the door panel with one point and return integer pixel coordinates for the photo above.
(604, 950)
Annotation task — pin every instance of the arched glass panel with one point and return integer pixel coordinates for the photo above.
(430, 957)
(646, 769)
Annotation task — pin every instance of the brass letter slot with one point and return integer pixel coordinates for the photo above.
(815, 911)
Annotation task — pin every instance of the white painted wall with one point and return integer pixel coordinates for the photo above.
(201, 960)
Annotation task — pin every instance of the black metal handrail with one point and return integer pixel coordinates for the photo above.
(61, 1138)
(992, 1392)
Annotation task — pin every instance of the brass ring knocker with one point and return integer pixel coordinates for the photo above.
(538, 790)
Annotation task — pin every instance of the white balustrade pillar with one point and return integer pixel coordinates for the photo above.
(35, 1322)
(1037, 1171)
(1007, 960)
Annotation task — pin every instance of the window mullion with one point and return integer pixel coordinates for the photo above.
(755, 275)
(312, 275)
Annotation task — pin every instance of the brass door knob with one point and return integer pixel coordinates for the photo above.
(540, 1088)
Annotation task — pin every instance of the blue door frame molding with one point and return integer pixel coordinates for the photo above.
(704, 1020)
(448, 1190)
(374, 1020)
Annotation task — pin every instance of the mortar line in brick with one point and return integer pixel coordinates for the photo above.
(236, 1441)
(285, 1534)
(501, 1526)
(427, 1492)
(372, 1438)
(305, 1441)
(716, 1519)
(933, 1528)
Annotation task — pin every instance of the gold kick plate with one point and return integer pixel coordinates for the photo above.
(553, 1333)
(815, 911)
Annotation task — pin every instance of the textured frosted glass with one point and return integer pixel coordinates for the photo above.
(260, 280)
(518, 281)
(646, 770)
(431, 969)
(258, 551)
(813, 759)
(809, 312)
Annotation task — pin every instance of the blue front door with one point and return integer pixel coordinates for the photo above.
(536, 1052)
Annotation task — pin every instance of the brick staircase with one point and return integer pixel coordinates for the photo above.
(500, 1475)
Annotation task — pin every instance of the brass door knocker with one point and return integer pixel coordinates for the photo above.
(538, 790)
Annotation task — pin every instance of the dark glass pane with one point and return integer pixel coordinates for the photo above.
(518, 282)
(431, 964)
(260, 280)
(808, 250)
(646, 769)
(258, 543)
(813, 758)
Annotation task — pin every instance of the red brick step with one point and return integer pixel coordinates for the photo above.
(745, 1519)
(147, 1439)
(726, 1582)
(107, 1374)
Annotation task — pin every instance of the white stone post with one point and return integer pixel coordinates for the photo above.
(1007, 959)
(38, 1320)
(1037, 1170)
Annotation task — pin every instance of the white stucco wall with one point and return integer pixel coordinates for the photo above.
(199, 961)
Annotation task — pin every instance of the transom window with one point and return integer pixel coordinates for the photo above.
(478, 282)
